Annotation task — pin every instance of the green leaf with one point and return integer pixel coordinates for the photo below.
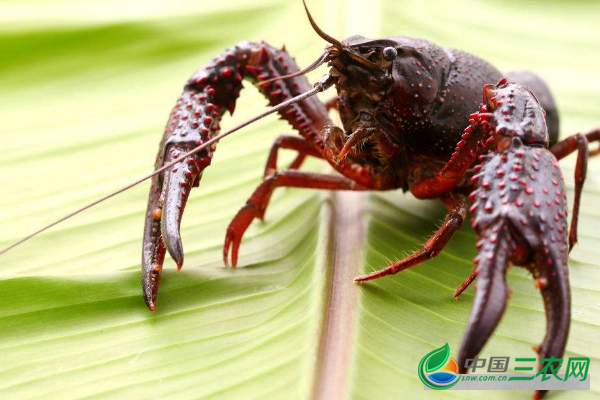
(86, 88)
(437, 358)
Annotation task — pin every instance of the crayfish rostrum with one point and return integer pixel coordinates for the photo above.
(437, 122)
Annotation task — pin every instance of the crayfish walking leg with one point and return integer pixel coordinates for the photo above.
(256, 205)
(578, 142)
(299, 144)
(457, 211)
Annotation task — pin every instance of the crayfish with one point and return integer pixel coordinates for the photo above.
(437, 122)
(434, 121)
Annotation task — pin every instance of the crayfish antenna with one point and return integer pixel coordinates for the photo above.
(319, 87)
(314, 65)
(320, 31)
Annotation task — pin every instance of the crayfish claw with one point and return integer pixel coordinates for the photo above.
(492, 292)
(153, 253)
(195, 120)
(171, 188)
(177, 185)
(520, 213)
(238, 225)
(466, 283)
(552, 280)
(232, 242)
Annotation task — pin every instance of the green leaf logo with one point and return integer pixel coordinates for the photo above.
(433, 361)
(437, 358)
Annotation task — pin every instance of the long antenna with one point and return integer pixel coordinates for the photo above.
(319, 87)
(320, 31)
(314, 65)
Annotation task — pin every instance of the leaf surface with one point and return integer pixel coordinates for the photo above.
(86, 88)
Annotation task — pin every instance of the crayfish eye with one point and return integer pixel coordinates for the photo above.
(389, 53)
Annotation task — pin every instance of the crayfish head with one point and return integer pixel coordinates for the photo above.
(355, 51)
(516, 113)
(363, 68)
(362, 71)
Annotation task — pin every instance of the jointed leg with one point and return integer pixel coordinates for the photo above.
(256, 204)
(466, 283)
(457, 211)
(562, 149)
(298, 143)
(474, 142)
(594, 136)
(290, 142)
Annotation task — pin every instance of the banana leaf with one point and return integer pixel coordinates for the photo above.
(85, 90)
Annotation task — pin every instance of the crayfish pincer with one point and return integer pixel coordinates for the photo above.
(520, 213)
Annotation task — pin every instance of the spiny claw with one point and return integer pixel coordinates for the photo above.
(208, 94)
(177, 185)
(521, 215)
(170, 190)
(520, 212)
(231, 240)
(491, 295)
(241, 222)
(153, 253)
(168, 196)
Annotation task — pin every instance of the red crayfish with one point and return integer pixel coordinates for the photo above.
(404, 104)
(417, 117)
